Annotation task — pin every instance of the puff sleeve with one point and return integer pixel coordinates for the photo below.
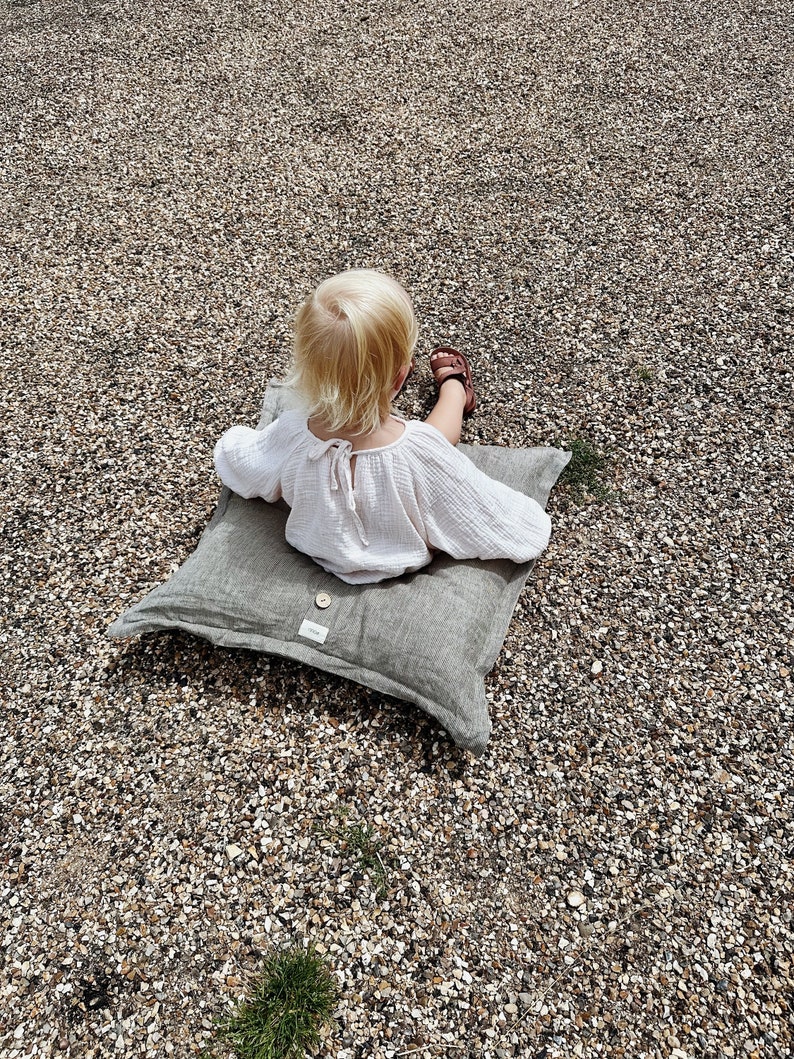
(471, 516)
(246, 461)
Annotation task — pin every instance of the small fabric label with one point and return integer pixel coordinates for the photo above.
(312, 631)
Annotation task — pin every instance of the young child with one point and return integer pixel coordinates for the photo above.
(372, 495)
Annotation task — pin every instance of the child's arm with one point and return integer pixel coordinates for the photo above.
(471, 516)
(245, 462)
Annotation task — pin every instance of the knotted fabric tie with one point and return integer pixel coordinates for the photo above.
(340, 477)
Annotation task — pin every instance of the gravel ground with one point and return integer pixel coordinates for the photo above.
(594, 200)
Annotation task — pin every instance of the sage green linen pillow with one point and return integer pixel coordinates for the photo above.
(429, 638)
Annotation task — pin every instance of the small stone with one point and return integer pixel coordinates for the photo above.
(596, 669)
(233, 851)
(576, 898)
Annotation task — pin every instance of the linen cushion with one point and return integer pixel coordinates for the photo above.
(429, 638)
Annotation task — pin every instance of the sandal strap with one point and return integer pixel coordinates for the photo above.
(456, 364)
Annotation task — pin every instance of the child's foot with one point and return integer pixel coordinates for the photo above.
(447, 363)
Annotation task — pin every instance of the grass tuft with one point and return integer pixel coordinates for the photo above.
(363, 840)
(583, 473)
(291, 1001)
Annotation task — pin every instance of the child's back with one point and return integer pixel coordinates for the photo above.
(371, 495)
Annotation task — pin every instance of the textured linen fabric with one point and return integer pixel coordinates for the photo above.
(413, 496)
(429, 638)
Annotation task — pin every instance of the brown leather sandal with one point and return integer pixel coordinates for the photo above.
(448, 363)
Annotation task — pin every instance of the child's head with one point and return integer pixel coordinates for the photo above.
(353, 337)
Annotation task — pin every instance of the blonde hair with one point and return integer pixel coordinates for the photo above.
(352, 338)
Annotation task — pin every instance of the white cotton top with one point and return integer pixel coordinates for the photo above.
(386, 515)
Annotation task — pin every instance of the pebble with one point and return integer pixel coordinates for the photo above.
(589, 202)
